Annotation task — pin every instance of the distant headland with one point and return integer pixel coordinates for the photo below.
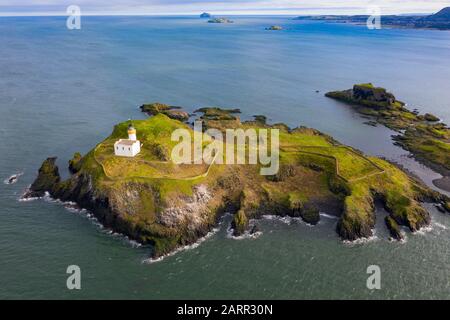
(439, 20)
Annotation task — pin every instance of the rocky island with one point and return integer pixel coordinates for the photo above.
(424, 136)
(172, 112)
(220, 20)
(167, 205)
(439, 20)
(275, 28)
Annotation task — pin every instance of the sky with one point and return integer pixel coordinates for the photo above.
(218, 7)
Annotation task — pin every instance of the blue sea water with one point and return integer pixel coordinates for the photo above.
(62, 91)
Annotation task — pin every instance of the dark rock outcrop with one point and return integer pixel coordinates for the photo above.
(75, 163)
(173, 112)
(310, 215)
(393, 228)
(46, 181)
(370, 93)
(275, 28)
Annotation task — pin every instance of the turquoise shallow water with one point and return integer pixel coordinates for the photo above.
(62, 91)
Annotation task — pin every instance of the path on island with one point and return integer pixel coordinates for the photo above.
(289, 149)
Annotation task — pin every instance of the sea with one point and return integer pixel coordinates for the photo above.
(62, 91)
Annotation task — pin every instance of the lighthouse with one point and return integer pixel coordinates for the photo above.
(128, 147)
(131, 133)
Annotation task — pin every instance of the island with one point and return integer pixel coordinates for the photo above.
(173, 112)
(275, 28)
(424, 136)
(439, 20)
(154, 201)
(220, 20)
(205, 15)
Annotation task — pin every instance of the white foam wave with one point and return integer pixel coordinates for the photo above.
(439, 225)
(362, 241)
(12, 179)
(285, 219)
(246, 235)
(27, 199)
(328, 216)
(74, 208)
(424, 230)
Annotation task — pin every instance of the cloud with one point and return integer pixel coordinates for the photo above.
(219, 6)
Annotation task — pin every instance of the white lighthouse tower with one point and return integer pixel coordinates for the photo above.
(131, 133)
(128, 147)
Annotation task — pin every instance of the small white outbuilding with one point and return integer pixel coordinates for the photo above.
(128, 147)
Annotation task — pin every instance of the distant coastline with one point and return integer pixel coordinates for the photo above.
(437, 21)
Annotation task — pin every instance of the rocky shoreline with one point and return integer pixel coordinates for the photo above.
(169, 213)
(425, 136)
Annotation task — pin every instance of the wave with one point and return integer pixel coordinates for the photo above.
(328, 216)
(434, 228)
(22, 198)
(12, 179)
(362, 241)
(193, 245)
(439, 225)
(424, 230)
(246, 235)
(285, 219)
(74, 208)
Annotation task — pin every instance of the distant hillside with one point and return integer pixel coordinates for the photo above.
(439, 20)
(443, 15)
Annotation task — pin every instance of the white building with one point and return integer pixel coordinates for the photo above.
(128, 147)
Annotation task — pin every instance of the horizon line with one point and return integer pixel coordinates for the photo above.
(93, 14)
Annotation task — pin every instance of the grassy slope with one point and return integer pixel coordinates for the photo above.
(139, 191)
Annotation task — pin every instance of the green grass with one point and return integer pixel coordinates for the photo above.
(307, 157)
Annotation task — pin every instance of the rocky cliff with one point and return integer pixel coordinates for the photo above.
(167, 206)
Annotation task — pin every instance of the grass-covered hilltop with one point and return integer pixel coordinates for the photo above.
(424, 136)
(154, 201)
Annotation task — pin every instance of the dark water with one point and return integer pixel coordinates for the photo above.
(62, 91)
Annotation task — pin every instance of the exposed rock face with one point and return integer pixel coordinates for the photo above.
(75, 163)
(310, 215)
(177, 115)
(430, 117)
(352, 227)
(446, 205)
(393, 228)
(240, 223)
(190, 212)
(182, 220)
(173, 112)
(370, 93)
(47, 179)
